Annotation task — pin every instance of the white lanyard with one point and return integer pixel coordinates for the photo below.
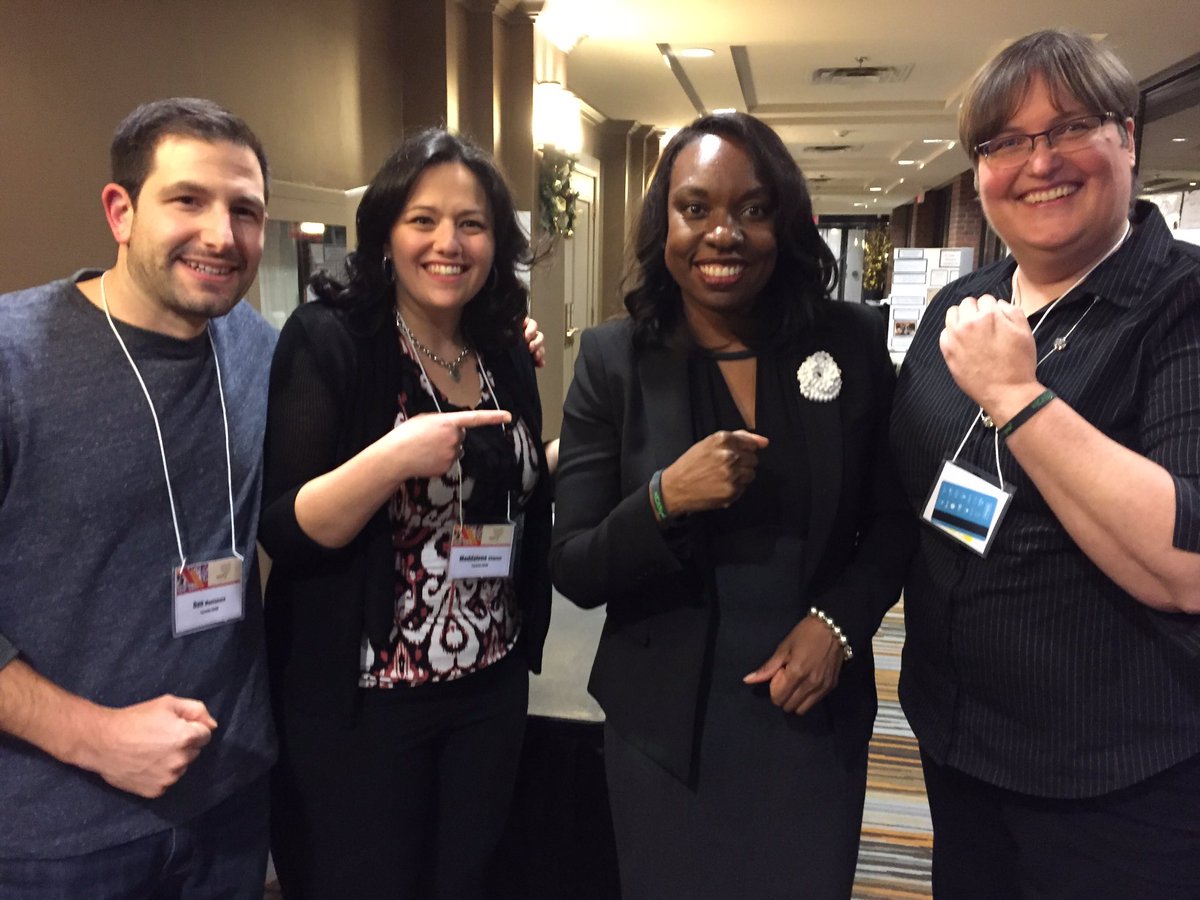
(158, 430)
(1060, 343)
(433, 396)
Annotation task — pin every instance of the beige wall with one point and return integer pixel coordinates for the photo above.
(329, 86)
(316, 79)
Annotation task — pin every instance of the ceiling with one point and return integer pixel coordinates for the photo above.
(765, 52)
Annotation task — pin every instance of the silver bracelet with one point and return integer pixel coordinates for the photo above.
(847, 650)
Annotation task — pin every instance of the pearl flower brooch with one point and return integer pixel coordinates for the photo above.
(819, 377)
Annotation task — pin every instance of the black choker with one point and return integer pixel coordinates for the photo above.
(724, 355)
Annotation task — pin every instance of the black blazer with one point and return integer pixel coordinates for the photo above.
(627, 415)
(334, 383)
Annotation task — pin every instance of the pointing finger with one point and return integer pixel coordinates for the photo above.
(475, 418)
(748, 440)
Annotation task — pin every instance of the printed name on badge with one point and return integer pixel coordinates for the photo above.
(482, 551)
(207, 594)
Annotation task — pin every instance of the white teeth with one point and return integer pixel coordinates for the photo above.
(209, 270)
(714, 271)
(1063, 190)
(438, 269)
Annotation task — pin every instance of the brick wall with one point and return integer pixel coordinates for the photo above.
(898, 225)
(965, 227)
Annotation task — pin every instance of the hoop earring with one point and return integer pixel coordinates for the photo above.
(389, 271)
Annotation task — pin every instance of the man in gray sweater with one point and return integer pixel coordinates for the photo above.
(134, 723)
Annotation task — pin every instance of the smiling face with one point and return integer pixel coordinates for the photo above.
(192, 243)
(442, 245)
(720, 245)
(1059, 212)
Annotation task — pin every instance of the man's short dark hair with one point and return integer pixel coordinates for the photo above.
(138, 136)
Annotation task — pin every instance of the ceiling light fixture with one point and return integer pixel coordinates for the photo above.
(724, 110)
(563, 23)
(874, 189)
(313, 228)
(694, 53)
(906, 162)
(1178, 140)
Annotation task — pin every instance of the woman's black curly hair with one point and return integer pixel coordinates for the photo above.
(805, 269)
(492, 318)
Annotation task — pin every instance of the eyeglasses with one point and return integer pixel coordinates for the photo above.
(1066, 137)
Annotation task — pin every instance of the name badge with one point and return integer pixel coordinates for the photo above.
(207, 594)
(482, 551)
(967, 507)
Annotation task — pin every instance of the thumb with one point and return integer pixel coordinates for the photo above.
(767, 670)
(194, 711)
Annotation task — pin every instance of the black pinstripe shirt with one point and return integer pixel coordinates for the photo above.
(1030, 669)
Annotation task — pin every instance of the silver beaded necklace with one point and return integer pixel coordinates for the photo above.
(451, 366)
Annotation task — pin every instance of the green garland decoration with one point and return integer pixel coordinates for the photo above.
(557, 200)
(877, 254)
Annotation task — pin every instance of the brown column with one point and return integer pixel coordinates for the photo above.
(612, 149)
(478, 73)
(423, 47)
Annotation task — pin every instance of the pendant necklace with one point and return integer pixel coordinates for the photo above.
(451, 366)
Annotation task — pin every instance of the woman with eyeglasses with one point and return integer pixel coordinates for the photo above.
(1049, 435)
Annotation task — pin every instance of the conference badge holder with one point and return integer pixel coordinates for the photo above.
(484, 551)
(967, 506)
(207, 594)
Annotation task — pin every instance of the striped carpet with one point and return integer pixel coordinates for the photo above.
(896, 849)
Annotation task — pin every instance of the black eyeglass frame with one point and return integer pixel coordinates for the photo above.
(982, 149)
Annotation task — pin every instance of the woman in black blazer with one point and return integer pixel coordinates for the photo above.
(725, 488)
(399, 681)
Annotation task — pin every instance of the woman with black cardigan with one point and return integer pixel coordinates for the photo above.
(404, 417)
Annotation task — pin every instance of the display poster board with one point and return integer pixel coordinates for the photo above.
(918, 273)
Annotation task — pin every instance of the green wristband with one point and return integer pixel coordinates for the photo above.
(1025, 414)
(656, 499)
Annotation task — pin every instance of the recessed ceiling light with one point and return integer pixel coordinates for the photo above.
(906, 162)
(933, 141)
(1178, 140)
(860, 204)
(876, 189)
(694, 53)
(1191, 184)
(724, 110)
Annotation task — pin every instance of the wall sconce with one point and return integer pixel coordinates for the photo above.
(557, 119)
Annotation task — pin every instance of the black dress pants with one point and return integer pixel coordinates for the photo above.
(410, 801)
(1139, 842)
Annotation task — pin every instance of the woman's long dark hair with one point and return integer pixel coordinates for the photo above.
(805, 270)
(493, 317)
